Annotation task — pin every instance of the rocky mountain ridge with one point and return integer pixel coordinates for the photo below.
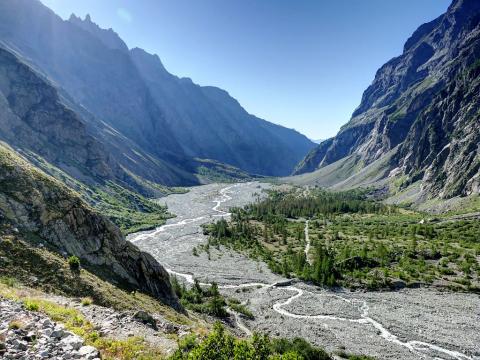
(422, 105)
(168, 120)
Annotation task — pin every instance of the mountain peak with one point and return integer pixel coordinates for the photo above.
(109, 37)
(151, 62)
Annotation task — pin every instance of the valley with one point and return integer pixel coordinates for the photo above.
(145, 215)
(411, 323)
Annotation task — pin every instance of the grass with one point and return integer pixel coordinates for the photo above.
(208, 170)
(8, 281)
(31, 305)
(15, 325)
(86, 301)
(128, 209)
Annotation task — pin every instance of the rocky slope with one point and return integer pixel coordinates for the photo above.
(47, 212)
(209, 123)
(424, 107)
(38, 337)
(33, 119)
(168, 119)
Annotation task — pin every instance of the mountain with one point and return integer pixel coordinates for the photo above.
(209, 123)
(89, 78)
(129, 95)
(418, 122)
(37, 122)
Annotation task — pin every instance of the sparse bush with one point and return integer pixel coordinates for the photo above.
(87, 301)
(208, 301)
(194, 251)
(74, 262)
(16, 325)
(240, 308)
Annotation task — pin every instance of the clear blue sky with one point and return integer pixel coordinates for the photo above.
(300, 63)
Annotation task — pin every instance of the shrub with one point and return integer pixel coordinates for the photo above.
(31, 306)
(219, 345)
(16, 325)
(86, 301)
(74, 262)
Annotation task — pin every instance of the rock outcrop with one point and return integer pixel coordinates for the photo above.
(424, 105)
(41, 206)
(33, 119)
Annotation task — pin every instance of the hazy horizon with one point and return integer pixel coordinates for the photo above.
(306, 70)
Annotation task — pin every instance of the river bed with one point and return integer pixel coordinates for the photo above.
(408, 324)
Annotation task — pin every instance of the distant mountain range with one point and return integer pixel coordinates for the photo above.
(417, 129)
(147, 125)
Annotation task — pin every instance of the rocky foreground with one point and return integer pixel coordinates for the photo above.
(30, 335)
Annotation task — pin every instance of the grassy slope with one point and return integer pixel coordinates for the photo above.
(30, 274)
(349, 173)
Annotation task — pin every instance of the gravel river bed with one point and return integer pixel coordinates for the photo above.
(422, 323)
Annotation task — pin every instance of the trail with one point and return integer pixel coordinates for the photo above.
(419, 348)
(307, 239)
(239, 322)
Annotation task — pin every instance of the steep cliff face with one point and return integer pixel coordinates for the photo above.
(46, 211)
(312, 161)
(209, 123)
(33, 119)
(94, 74)
(107, 36)
(168, 118)
(424, 104)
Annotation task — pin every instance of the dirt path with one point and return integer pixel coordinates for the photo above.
(307, 239)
